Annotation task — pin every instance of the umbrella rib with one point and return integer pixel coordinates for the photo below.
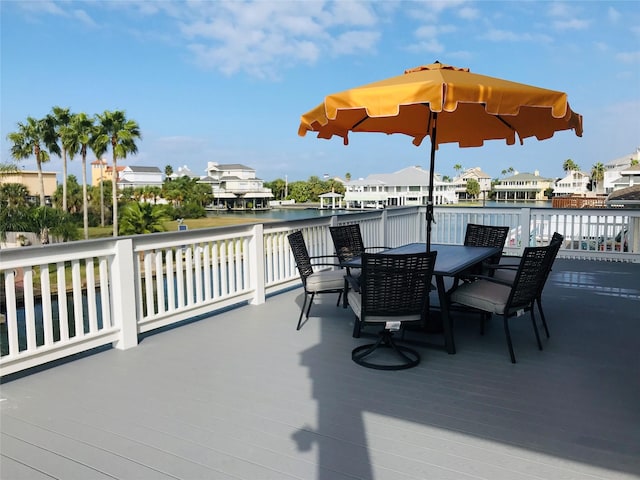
(507, 124)
(359, 122)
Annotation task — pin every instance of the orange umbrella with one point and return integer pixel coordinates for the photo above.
(463, 107)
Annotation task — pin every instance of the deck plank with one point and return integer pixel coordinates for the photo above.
(242, 394)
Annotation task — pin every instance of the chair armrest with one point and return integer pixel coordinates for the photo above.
(487, 278)
(324, 256)
(496, 266)
(377, 248)
(314, 260)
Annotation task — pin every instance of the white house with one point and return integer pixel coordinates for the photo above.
(460, 182)
(235, 187)
(409, 186)
(613, 171)
(135, 177)
(575, 183)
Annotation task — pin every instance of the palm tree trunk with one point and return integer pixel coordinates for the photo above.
(114, 197)
(101, 193)
(40, 177)
(85, 209)
(64, 179)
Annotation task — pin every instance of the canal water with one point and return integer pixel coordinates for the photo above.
(300, 213)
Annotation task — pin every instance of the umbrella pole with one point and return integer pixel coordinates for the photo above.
(432, 167)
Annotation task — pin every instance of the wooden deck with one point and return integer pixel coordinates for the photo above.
(243, 395)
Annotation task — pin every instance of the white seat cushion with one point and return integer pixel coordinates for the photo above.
(483, 295)
(325, 280)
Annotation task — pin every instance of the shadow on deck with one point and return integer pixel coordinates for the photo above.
(242, 394)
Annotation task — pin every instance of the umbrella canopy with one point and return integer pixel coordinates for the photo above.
(448, 104)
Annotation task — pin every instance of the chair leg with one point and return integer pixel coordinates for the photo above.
(310, 303)
(509, 344)
(304, 304)
(339, 297)
(535, 328)
(356, 328)
(544, 320)
(484, 317)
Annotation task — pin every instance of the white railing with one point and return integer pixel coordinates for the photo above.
(63, 299)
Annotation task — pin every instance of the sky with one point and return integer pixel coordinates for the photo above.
(227, 81)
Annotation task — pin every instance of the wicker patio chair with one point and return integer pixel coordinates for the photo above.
(348, 242)
(393, 290)
(314, 281)
(508, 266)
(487, 236)
(489, 295)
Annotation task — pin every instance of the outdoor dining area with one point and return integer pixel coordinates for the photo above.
(418, 288)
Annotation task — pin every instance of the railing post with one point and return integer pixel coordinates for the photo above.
(256, 264)
(634, 235)
(383, 237)
(123, 289)
(525, 222)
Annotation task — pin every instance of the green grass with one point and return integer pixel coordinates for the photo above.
(191, 223)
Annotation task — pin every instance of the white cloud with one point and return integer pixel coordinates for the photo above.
(613, 14)
(571, 24)
(496, 35)
(84, 17)
(468, 13)
(260, 38)
(628, 57)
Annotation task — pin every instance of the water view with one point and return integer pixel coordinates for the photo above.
(300, 213)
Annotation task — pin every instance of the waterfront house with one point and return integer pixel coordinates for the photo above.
(574, 183)
(236, 187)
(523, 187)
(614, 168)
(409, 186)
(475, 173)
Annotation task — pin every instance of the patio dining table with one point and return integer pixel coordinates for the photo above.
(451, 261)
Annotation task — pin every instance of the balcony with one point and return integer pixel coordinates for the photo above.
(205, 376)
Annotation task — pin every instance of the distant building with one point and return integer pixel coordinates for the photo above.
(613, 171)
(29, 178)
(128, 176)
(409, 186)
(575, 183)
(236, 187)
(523, 187)
(475, 173)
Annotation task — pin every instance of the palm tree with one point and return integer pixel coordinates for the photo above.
(140, 218)
(13, 195)
(76, 137)
(457, 167)
(597, 174)
(570, 166)
(60, 118)
(168, 171)
(35, 137)
(121, 134)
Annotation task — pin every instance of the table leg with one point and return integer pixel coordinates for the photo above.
(447, 325)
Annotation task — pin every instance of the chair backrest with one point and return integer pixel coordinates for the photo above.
(533, 270)
(555, 243)
(300, 255)
(347, 240)
(395, 285)
(485, 235)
